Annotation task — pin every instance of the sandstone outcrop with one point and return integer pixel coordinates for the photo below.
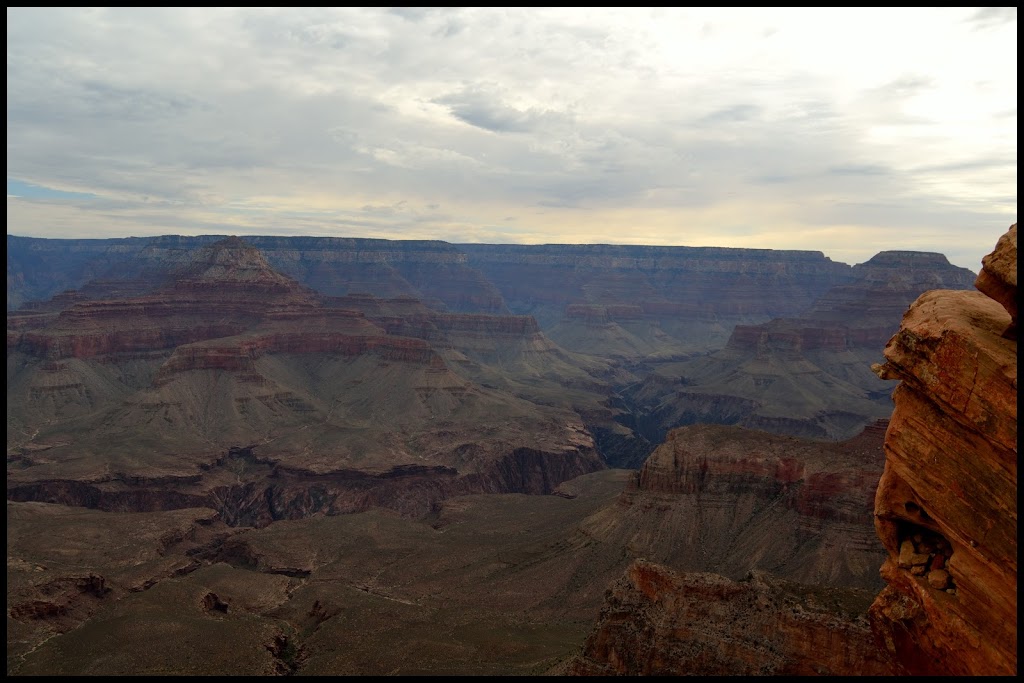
(946, 506)
(998, 276)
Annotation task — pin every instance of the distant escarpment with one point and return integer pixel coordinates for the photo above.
(808, 375)
(645, 338)
(38, 269)
(608, 300)
(129, 404)
(946, 506)
(638, 301)
(433, 271)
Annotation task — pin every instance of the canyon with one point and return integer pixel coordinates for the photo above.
(945, 509)
(368, 456)
(777, 340)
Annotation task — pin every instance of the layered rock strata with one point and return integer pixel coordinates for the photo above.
(946, 506)
(730, 500)
(808, 375)
(786, 527)
(660, 300)
(130, 404)
(635, 302)
(433, 271)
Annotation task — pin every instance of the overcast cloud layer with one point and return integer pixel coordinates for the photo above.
(848, 131)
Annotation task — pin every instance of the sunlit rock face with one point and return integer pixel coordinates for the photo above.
(946, 506)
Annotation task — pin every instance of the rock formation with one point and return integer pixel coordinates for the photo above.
(945, 510)
(639, 301)
(947, 504)
(489, 584)
(756, 554)
(433, 271)
(337, 404)
(642, 319)
(217, 436)
(665, 299)
(730, 500)
(805, 376)
(998, 276)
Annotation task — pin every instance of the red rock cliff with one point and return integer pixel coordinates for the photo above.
(946, 507)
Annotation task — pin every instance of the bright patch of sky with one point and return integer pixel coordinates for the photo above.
(843, 130)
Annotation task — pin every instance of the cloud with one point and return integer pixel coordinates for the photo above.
(732, 114)
(987, 17)
(556, 124)
(485, 110)
(858, 170)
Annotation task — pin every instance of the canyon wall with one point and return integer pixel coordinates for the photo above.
(728, 500)
(946, 506)
(807, 375)
(636, 302)
(705, 283)
(791, 334)
(434, 271)
(945, 510)
(129, 404)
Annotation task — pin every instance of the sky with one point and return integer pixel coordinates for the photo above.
(848, 131)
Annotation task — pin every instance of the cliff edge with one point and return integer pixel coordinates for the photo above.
(946, 506)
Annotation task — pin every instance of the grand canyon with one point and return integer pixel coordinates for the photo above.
(270, 455)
